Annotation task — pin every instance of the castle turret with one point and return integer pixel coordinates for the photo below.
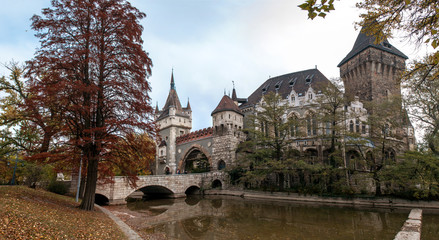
(227, 117)
(173, 121)
(228, 122)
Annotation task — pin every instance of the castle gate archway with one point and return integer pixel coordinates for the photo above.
(195, 160)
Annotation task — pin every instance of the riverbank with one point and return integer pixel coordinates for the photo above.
(27, 213)
(430, 206)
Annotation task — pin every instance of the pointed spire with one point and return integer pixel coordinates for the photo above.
(188, 107)
(157, 107)
(172, 80)
(234, 97)
(224, 91)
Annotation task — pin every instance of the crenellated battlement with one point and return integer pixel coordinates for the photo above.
(199, 134)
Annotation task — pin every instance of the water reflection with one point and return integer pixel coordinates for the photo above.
(235, 218)
(430, 226)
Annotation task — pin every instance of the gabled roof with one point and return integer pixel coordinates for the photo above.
(227, 104)
(365, 41)
(299, 81)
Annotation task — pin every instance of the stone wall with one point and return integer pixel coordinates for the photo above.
(373, 74)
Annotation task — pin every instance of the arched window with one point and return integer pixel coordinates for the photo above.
(351, 126)
(294, 127)
(311, 125)
(357, 125)
(308, 125)
(221, 165)
(314, 125)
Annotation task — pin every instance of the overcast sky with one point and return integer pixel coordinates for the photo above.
(210, 43)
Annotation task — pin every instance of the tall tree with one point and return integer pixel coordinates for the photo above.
(270, 133)
(422, 88)
(91, 60)
(331, 104)
(27, 125)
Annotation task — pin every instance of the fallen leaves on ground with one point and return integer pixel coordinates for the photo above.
(36, 214)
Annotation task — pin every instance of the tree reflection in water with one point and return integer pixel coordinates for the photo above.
(236, 218)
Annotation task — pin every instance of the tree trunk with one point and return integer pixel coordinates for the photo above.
(82, 187)
(90, 188)
(377, 185)
(281, 181)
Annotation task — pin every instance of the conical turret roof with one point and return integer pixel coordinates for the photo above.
(171, 101)
(227, 104)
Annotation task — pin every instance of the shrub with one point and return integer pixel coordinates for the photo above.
(57, 187)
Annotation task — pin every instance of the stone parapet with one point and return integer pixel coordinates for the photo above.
(199, 134)
(411, 230)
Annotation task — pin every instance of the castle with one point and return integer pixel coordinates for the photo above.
(370, 72)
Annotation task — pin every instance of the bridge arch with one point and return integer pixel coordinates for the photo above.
(217, 184)
(193, 190)
(195, 159)
(155, 191)
(101, 199)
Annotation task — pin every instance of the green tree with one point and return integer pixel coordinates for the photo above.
(332, 115)
(416, 176)
(383, 141)
(269, 131)
(27, 125)
(422, 88)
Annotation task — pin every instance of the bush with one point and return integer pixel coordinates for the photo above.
(57, 187)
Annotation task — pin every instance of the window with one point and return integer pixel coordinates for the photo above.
(310, 96)
(351, 126)
(328, 128)
(314, 125)
(357, 125)
(363, 129)
(294, 127)
(293, 99)
(311, 125)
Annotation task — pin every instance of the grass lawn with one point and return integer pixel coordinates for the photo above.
(26, 213)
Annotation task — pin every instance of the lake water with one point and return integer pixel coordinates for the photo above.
(237, 218)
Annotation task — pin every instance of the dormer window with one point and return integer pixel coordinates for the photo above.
(310, 96)
(387, 45)
(278, 84)
(265, 88)
(292, 81)
(293, 99)
(308, 79)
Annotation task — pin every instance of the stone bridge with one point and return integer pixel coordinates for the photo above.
(174, 186)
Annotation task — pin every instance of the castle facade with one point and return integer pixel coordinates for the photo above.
(370, 72)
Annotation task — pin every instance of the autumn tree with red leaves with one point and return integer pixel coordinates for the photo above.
(91, 62)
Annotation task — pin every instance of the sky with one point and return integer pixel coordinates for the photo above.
(211, 43)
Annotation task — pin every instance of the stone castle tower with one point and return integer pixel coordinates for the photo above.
(371, 70)
(173, 121)
(227, 122)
